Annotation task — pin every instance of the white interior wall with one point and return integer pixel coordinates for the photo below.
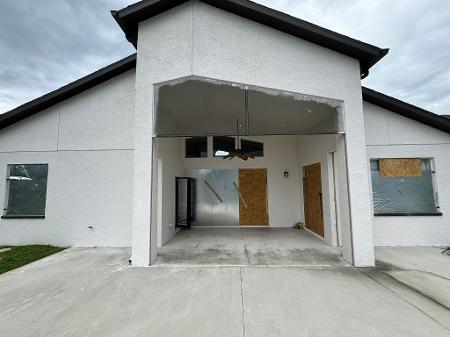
(285, 195)
(87, 142)
(169, 166)
(317, 149)
(390, 135)
(280, 155)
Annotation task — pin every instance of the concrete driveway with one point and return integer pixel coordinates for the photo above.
(92, 292)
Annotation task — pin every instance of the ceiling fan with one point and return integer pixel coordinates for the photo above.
(238, 153)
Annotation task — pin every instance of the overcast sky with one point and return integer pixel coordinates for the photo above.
(46, 44)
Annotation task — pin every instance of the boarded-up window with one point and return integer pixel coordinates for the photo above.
(403, 186)
(400, 167)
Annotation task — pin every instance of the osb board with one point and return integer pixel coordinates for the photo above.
(313, 203)
(400, 167)
(253, 188)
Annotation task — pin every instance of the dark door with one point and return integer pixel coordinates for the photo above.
(183, 202)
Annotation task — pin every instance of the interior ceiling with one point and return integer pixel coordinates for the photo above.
(197, 106)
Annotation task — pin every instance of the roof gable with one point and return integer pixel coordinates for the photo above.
(129, 18)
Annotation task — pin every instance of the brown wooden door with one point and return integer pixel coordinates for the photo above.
(253, 197)
(312, 195)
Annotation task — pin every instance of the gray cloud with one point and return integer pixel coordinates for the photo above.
(48, 43)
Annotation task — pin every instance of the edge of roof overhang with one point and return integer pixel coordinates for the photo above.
(368, 55)
(369, 95)
(405, 109)
(67, 91)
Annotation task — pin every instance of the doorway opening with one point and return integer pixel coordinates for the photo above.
(200, 123)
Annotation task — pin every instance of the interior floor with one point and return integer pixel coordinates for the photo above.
(248, 246)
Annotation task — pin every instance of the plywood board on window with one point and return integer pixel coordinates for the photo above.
(390, 168)
(253, 203)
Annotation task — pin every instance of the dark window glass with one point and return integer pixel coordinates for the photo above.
(222, 146)
(256, 149)
(26, 189)
(409, 194)
(197, 147)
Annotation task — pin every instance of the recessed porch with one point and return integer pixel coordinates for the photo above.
(297, 173)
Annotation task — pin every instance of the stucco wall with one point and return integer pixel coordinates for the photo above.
(87, 141)
(198, 39)
(390, 135)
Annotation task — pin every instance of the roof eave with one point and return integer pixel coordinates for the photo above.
(405, 109)
(368, 55)
(29, 109)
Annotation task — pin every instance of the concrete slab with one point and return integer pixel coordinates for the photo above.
(207, 238)
(428, 306)
(425, 259)
(92, 292)
(295, 257)
(423, 269)
(282, 238)
(248, 246)
(206, 256)
(327, 302)
(96, 294)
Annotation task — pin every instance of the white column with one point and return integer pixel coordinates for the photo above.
(142, 200)
(359, 230)
(142, 236)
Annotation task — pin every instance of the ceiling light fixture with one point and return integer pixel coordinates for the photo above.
(238, 153)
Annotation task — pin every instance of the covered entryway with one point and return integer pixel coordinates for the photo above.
(229, 156)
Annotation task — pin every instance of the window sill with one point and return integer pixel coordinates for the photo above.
(23, 216)
(408, 214)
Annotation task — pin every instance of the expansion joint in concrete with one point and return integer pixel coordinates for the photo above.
(372, 275)
(242, 303)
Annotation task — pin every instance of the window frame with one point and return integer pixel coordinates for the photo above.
(214, 151)
(253, 141)
(434, 188)
(7, 193)
(185, 147)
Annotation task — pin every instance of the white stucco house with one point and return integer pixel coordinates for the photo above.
(126, 155)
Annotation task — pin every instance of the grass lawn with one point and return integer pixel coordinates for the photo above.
(19, 256)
